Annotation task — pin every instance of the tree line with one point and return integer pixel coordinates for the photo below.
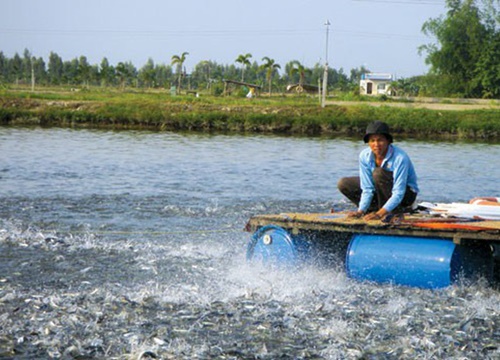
(206, 75)
(463, 62)
(464, 59)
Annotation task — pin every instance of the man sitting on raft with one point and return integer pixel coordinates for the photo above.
(387, 181)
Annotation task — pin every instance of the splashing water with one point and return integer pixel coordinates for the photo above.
(138, 256)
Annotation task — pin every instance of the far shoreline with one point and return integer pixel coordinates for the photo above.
(476, 120)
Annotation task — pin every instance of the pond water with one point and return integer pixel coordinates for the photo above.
(131, 244)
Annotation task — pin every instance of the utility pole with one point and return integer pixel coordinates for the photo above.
(319, 91)
(32, 74)
(325, 74)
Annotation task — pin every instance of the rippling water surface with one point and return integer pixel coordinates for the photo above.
(131, 245)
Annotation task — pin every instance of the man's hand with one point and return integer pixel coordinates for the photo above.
(377, 215)
(355, 214)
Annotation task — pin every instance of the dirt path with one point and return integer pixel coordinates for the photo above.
(422, 105)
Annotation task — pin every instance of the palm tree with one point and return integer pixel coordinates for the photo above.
(122, 73)
(298, 68)
(179, 61)
(245, 62)
(404, 87)
(206, 64)
(270, 66)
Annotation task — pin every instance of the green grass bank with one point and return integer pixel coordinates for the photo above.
(278, 115)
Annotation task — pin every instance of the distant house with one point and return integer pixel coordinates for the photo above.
(375, 84)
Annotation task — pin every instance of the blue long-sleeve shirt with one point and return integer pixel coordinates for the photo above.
(396, 161)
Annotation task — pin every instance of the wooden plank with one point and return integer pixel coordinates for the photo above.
(338, 222)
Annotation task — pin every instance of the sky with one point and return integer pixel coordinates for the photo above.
(381, 35)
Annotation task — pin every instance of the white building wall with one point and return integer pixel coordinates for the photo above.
(375, 84)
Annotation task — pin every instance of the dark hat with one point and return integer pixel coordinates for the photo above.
(377, 127)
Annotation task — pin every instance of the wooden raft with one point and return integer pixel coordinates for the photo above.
(459, 230)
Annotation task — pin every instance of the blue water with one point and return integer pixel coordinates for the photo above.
(122, 179)
(61, 162)
(157, 218)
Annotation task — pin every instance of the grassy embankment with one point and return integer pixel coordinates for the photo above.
(279, 114)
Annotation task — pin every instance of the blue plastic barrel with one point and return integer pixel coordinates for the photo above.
(411, 261)
(273, 245)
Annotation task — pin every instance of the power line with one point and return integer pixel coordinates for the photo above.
(407, 2)
(184, 32)
(205, 33)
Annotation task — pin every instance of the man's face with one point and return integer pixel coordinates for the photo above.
(378, 144)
